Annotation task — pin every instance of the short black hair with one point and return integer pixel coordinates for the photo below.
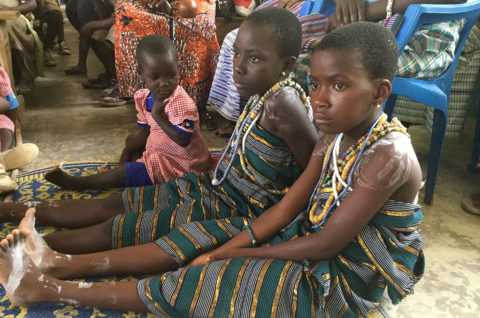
(155, 44)
(375, 45)
(286, 29)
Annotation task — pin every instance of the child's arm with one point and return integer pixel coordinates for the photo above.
(4, 105)
(348, 11)
(137, 141)
(278, 216)
(390, 172)
(285, 116)
(158, 113)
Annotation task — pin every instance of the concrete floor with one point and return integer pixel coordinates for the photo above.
(67, 124)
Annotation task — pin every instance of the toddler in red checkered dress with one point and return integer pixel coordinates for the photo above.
(168, 142)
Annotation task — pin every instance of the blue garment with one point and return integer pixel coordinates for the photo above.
(136, 175)
(12, 100)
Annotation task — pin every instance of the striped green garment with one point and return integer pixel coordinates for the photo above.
(154, 211)
(387, 254)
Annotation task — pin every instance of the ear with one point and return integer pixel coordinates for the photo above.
(289, 64)
(383, 88)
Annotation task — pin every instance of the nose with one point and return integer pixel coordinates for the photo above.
(319, 97)
(239, 65)
(163, 83)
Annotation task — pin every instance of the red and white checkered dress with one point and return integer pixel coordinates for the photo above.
(5, 90)
(163, 158)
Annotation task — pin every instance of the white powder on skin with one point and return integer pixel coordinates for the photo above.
(102, 265)
(19, 266)
(69, 301)
(84, 285)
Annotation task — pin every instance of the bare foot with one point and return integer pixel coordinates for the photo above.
(23, 282)
(76, 70)
(47, 260)
(24, 87)
(60, 178)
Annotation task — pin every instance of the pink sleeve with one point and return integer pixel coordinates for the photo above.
(5, 85)
(140, 96)
(181, 107)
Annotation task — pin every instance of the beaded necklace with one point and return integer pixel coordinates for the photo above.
(247, 120)
(344, 167)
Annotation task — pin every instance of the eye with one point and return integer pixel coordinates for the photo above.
(339, 86)
(235, 53)
(254, 59)
(172, 75)
(312, 85)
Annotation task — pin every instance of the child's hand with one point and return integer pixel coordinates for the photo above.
(161, 6)
(159, 106)
(203, 259)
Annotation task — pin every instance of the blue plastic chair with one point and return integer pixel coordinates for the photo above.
(325, 7)
(476, 139)
(434, 93)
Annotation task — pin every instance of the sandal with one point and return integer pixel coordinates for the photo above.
(94, 85)
(207, 123)
(49, 60)
(469, 205)
(226, 131)
(75, 71)
(112, 98)
(63, 49)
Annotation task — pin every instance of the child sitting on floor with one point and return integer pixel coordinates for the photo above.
(20, 155)
(169, 141)
(358, 236)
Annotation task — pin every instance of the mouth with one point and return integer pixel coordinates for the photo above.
(239, 85)
(321, 119)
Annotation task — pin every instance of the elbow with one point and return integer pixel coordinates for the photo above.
(183, 142)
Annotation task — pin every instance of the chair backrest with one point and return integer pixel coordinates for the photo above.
(420, 14)
(325, 7)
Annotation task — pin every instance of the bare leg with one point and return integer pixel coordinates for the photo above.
(81, 67)
(25, 284)
(6, 139)
(67, 213)
(123, 261)
(103, 180)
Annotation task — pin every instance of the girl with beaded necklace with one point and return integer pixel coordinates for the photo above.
(358, 236)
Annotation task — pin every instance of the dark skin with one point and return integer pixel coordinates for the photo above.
(337, 83)
(256, 59)
(186, 8)
(160, 75)
(350, 11)
(284, 113)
